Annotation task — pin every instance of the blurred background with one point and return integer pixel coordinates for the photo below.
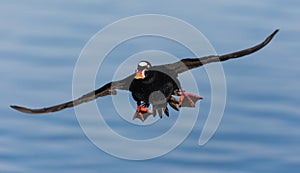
(40, 42)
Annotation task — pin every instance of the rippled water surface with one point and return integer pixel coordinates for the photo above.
(40, 42)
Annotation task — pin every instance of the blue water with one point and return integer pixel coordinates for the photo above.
(40, 42)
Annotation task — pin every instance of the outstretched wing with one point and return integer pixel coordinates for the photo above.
(108, 89)
(190, 63)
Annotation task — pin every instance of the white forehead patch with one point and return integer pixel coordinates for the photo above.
(143, 64)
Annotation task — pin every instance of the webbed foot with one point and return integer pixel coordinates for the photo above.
(187, 100)
(142, 113)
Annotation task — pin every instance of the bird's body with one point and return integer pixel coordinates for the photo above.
(155, 89)
(156, 81)
(153, 85)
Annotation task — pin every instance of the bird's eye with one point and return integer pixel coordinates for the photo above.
(140, 68)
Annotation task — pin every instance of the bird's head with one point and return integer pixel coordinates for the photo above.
(141, 70)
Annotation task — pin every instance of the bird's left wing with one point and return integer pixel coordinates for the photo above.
(108, 89)
(190, 63)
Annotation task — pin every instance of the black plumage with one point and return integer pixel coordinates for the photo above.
(153, 85)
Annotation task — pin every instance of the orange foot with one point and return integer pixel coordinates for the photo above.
(188, 100)
(142, 113)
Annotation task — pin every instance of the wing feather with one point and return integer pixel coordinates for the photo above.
(190, 63)
(108, 89)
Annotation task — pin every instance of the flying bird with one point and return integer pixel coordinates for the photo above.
(153, 85)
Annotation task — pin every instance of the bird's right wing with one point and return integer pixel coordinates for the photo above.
(108, 89)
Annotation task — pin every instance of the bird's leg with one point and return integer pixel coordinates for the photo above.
(141, 113)
(186, 99)
(173, 102)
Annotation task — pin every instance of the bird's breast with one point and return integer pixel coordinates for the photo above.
(153, 89)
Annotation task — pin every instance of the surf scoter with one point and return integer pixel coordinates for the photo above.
(153, 85)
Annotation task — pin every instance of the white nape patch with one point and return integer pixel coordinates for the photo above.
(143, 64)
